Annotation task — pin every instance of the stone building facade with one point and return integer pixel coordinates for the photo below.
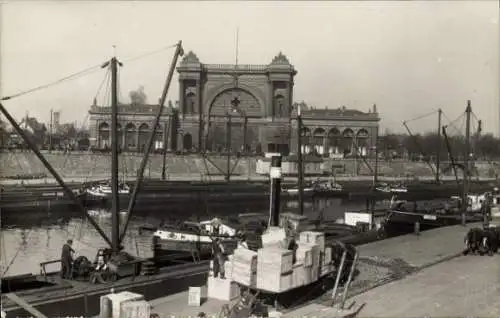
(134, 127)
(237, 107)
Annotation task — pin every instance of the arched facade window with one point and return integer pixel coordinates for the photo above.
(279, 106)
(130, 137)
(362, 142)
(158, 139)
(319, 135)
(333, 141)
(306, 140)
(347, 140)
(104, 137)
(190, 104)
(143, 136)
(187, 142)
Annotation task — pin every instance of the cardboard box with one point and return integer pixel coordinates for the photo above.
(222, 289)
(298, 275)
(304, 254)
(278, 258)
(244, 274)
(244, 255)
(313, 237)
(135, 309)
(274, 237)
(327, 256)
(118, 299)
(274, 281)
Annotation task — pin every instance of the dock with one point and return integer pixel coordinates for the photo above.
(409, 259)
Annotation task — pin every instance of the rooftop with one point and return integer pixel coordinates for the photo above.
(279, 63)
(133, 109)
(309, 112)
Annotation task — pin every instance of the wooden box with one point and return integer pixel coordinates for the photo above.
(222, 289)
(274, 281)
(135, 309)
(313, 237)
(278, 258)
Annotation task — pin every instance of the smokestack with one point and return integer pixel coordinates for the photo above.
(275, 175)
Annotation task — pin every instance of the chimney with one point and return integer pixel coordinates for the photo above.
(375, 108)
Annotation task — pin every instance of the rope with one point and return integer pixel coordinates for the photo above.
(107, 93)
(106, 77)
(149, 53)
(67, 78)
(422, 116)
(452, 123)
(120, 95)
(15, 256)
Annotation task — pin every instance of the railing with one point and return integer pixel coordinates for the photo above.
(43, 269)
(239, 67)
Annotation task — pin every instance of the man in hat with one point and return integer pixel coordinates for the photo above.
(67, 259)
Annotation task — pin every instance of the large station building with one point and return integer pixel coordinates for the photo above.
(251, 106)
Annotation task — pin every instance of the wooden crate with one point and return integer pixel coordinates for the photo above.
(279, 258)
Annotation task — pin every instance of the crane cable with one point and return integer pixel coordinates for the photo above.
(64, 79)
(421, 116)
(15, 256)
(149, 53)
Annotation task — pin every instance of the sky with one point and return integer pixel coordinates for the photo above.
(409, 57)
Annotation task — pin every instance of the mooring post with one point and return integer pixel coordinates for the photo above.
(416, 228)
(339, 274)
(275, 175)
(349, 279)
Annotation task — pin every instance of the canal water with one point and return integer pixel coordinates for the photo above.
(28, 239)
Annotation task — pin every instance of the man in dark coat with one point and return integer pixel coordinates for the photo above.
(218, 258)
(67, 259)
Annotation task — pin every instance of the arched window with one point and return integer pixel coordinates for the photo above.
(143, 136)
(104, 138)
(187, 142)
(333, 141)
(319, 135)
(130, 136)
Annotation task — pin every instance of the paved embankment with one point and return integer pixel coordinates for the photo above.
(468, 286)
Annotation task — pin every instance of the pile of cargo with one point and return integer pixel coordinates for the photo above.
(124, 305)
(273, 269)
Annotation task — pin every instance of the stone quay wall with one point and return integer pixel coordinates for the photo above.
(82, 165)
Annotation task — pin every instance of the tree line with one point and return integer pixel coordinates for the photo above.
(486, 147)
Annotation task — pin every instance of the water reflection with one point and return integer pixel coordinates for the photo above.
(27, 241)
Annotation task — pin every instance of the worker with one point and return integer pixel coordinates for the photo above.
(293, 246)
(67, 259)
(243, 242)
(219, 258)
(101, 263)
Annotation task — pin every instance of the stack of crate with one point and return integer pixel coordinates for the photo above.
(274, 269)
(244, 267)
(326, 266)
(315, 243)
(298, 275)
(274, 237)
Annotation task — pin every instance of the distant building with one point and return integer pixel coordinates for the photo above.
(214, 97)
(56, 116)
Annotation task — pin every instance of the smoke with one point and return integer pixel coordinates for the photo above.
(138, 96)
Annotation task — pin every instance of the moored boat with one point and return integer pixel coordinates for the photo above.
(104, 190)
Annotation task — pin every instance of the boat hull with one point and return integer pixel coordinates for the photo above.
(75, 301)
(170, 250)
